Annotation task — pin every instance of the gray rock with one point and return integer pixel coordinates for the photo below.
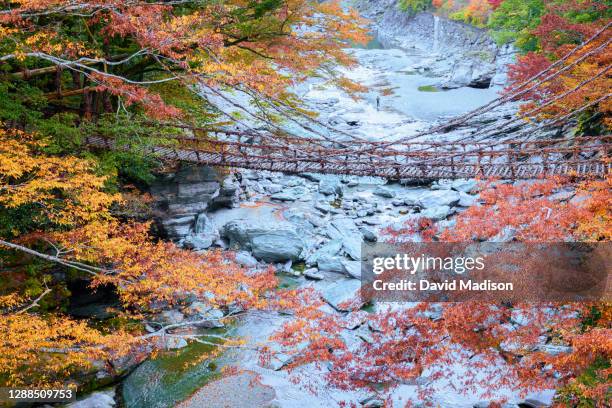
(312, 177)
(228, 194)
(205, 234)
(323, 207)
(437, 213)
(177, 227)
(330, 263)
(520, 317)
(554, 349)
(539, 399)
(181, 196)
(372, 401)
(327, 257)
(442, 184)
(372, 221)
(287, 267)
(330, 248)
(251, 175)
(202, 189)
(274, 188)
(368, 235)
(352, 268)
(273, 242)
(578, 200)
(198, 308)
(280, 358)
(313, 274)
(343, 294)
(446, 224)
(467, 200)
(212, 319)
(98, 399)
(412, 202)
(198, 242)
(365, 334)
(202, 311)
(293, 182)
(245, 259)
(291, 194)
(470, 73)
(345, 230)
(562, 195)
(434, 311)
(507, 234)
(171, 317)
(330, 185)
(384, 192)
(439, 198)
(464, 185)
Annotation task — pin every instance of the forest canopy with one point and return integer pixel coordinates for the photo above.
(142, 72)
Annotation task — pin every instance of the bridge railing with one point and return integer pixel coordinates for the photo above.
(514, 159)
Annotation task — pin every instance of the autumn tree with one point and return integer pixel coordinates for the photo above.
(67, 219)
(418, 343)
(545, 32)
(119, 69)
(116, 54)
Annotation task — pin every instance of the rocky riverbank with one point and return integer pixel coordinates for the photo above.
(460, 54)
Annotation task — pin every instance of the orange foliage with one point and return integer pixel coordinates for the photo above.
(406, 343)
(40, 351)
(65, 190)
(528, 209)
(47, 349)
(260, 47)
(558, 36)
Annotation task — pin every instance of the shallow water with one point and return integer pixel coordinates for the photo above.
(391, 69)
(168, 378)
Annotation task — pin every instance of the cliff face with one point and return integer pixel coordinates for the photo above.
(467, 54)
(181, 198)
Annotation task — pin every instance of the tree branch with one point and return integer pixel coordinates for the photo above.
(92, 270)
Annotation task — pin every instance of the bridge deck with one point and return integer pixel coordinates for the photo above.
(504, 164)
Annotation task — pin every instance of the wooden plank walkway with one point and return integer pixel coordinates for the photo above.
(418, 165)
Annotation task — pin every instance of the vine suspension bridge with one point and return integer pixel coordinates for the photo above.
(502, 149)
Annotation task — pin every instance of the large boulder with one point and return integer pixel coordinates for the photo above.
(345, 230)
(437, 213)
(290, 194)
(205, 234)
(344, 295)
(464, 185)
(327, 257)
(467, 200)
(383, 191)
(330, 185)
(269, 242)
(170, 343)
(439, 198)
(227, 196)
(352, 268)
